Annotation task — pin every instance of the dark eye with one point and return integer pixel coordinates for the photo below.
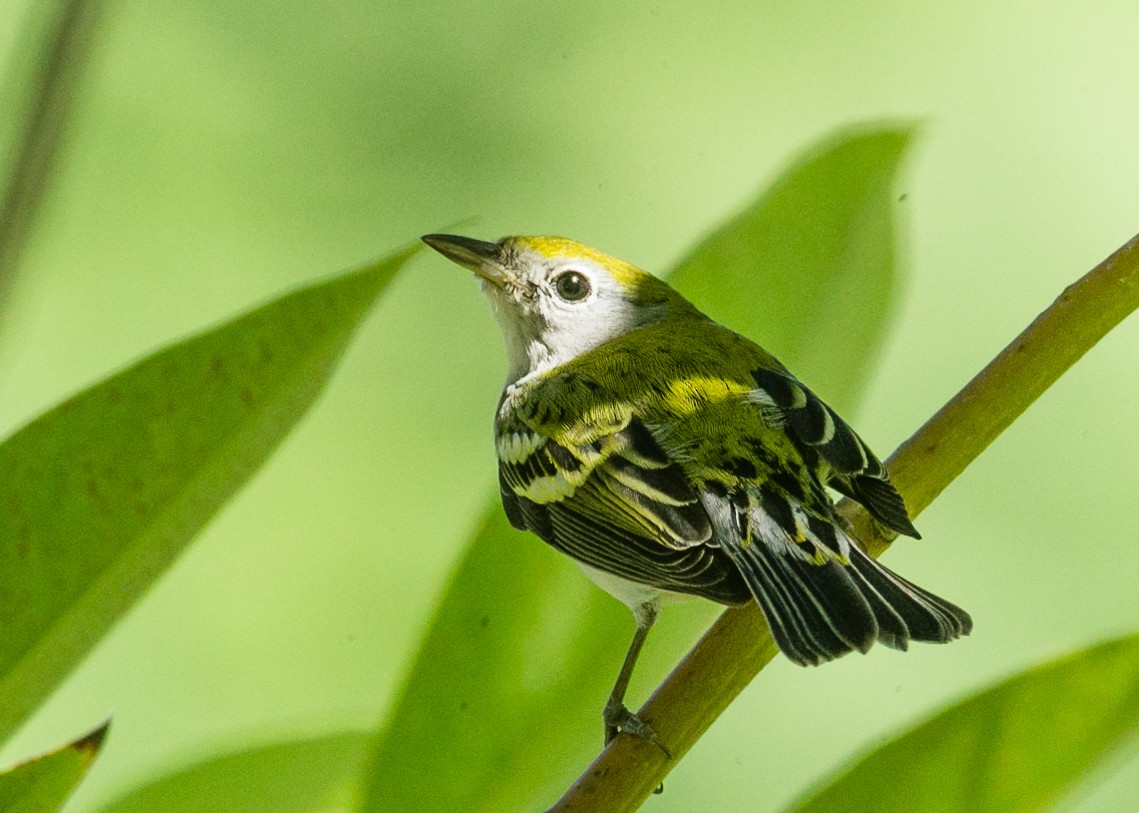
(572, 286)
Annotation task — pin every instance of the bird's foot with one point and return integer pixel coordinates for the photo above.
(620, 719)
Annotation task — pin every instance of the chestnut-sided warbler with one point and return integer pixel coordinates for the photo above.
(667, 454)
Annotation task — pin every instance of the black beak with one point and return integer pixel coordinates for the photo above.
(485, 259)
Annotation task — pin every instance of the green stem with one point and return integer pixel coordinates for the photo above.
(739, 644)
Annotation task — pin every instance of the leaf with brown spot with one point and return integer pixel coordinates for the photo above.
(42, 784)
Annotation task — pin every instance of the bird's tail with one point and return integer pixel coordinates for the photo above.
(926, 617)
(821, 607)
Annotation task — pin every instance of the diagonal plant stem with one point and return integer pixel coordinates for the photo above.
(37, 148)
(739, 644)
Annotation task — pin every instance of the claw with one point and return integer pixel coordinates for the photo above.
(620, 719)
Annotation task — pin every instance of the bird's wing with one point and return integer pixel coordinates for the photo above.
(605, 492)
(613, 472)
(854, 470)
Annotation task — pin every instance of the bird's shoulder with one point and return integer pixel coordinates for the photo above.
(673, 366)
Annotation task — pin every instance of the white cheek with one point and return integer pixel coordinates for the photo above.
(589, 324)
(546, 331)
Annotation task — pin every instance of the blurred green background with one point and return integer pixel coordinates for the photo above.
(221, 153)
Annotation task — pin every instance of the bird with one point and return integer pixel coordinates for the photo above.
(671, 456)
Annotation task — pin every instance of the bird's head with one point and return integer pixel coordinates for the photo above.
(556, 299)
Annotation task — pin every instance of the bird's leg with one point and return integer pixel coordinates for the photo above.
(617, 717)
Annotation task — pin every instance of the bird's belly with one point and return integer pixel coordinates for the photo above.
(631, 594)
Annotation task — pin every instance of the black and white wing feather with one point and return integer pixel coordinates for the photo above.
(618, 504)
(854, 470)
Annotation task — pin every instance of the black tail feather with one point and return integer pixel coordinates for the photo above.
(819, 612)
(816, 612)
(927, 617)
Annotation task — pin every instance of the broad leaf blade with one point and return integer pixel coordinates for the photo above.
(101, 493)
(42, 785)
(292, 776)
(808, 270)
(502, 706)
(1019, 746)
(506, 690)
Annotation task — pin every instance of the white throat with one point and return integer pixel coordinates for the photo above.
(526, 353)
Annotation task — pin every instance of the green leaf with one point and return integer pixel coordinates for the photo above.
(502, 706)
(42, 785)
(1019, 746)
(101, 493)
(504, 699)
(808, 270)
(292, 776)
